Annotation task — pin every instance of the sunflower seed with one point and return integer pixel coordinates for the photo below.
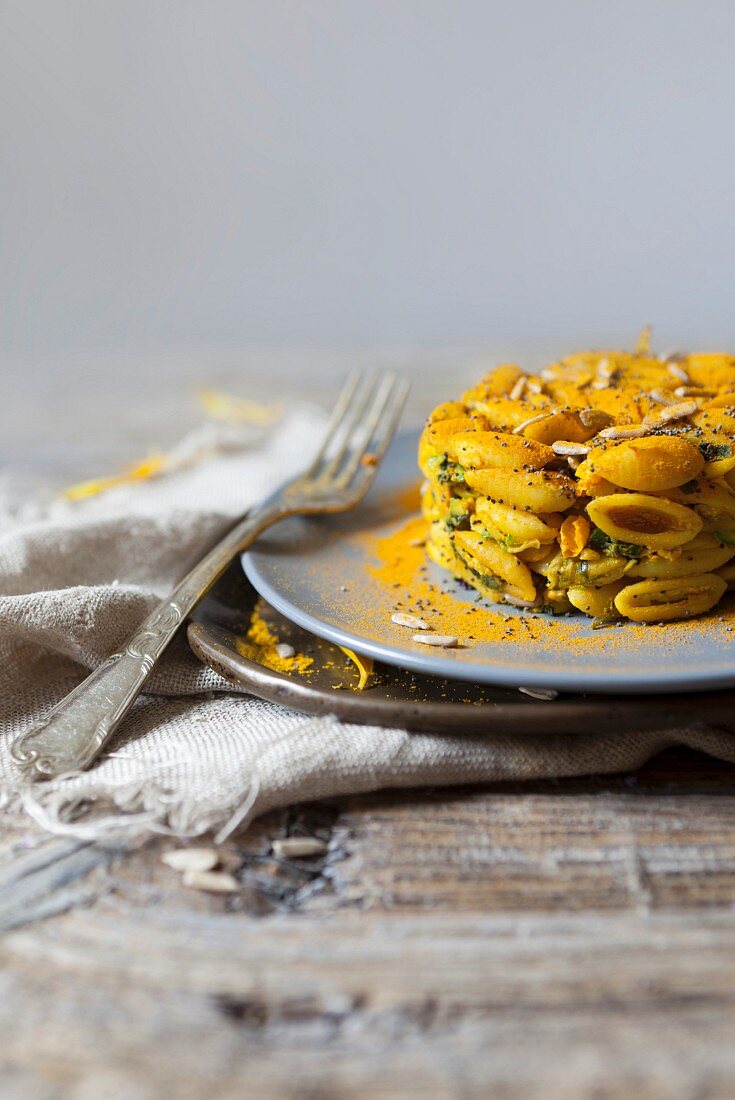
(674, 412)
(516, 601)
(412, 621)
(531, 420)
(594, 419)
(664, 397)
(191, 859)
(213, 882)
(446, 640)
(540, 693)
(678, 372)
(692, 391)
(298, 847)
(519, 386)
(620, 432)
(563, 447)
(283, 649)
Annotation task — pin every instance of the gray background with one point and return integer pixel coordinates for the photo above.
(214, 190)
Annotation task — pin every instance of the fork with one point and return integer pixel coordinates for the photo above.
(362, 424)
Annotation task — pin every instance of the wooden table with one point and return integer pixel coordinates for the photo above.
(560, 939)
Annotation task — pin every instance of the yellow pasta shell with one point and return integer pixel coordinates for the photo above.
(503, 521)
(487, 556)
(502, 413)
(450, 410)
(713, 500)
(538, 558)
(499, 382)
(559, 425)
(718, 467)
(651, 462)
(728, 574)
(713, 369)
(590, 484)
(436, 436)
(532, 490)
(704, 554)
(722, 401)
(439, 545)
(677, 598)
(596, 600)
(491, 450)
(654, 522)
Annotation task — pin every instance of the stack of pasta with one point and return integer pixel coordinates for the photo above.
(606, 484)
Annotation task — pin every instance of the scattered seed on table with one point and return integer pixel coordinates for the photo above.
(298, 847)
(446, 640)
(191, 859)
(540, 693)
(213, 882)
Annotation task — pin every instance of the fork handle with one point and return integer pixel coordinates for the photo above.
(73, 734)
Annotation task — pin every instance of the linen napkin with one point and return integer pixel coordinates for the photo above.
(195, 754)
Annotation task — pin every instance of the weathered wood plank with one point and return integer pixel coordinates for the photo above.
(557, 940)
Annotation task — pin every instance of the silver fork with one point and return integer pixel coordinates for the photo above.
(360, 429)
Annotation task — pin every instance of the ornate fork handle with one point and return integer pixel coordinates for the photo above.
(74, 732)
(363, 422)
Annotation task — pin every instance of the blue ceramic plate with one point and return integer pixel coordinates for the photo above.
(317, 572)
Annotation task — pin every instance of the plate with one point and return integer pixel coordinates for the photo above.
(321, 574)
(407, 700)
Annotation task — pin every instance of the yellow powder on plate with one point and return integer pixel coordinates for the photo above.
(261, 647)
(402, 568)
(405, 575)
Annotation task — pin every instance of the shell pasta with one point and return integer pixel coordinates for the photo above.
(605, 484)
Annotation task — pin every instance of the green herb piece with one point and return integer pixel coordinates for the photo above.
(613, 548)
(712, 452)
(485, 579)
(446, 471)
(458, 519)
(726, 539)
(602, 622)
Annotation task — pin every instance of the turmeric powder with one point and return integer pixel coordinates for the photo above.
(413, 586)
(261, 646)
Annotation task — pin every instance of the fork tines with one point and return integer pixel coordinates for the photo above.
(361, 427)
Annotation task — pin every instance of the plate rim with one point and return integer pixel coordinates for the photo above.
(567, 715)
(643, 683)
